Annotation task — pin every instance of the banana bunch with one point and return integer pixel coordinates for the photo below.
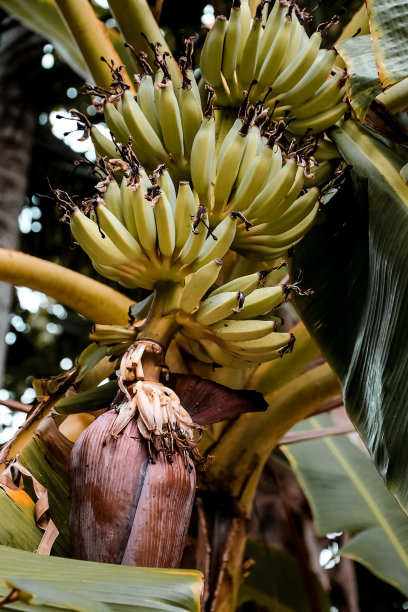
(262, 182)
(143, 232)
(276, 61)
(232, 325)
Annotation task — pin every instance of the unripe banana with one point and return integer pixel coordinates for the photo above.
(147, 144)
(227, 170)
(236, 331)
(247, 67)
(276, 164)
(126, 199)
(293, 193)
(218, 242)
(116, 123)
(227, 140)
(289, 238)
(273, 192)
(144, 220)
(184, 213)
(270, 342)
(254, 179)
(329, 94)
(112, 197)
(261, 301)
(245, 284)
(321, 173)
(165, 181)
(271, 29)
(194, 243)
(290, 218)
(169, 116)
(320, 122)
(146, 101)
(117, 233)
(231, 43)
(273, 60)
(202, 159)
(191, 117)
(212, 52)
(88, 236)
(221, 357)
(104, 146)
(297, 212)
(295, 46)
(245, 28)
(298, 66)
(166, 235)
(326, 150)
(198, 284)
(253, 148)
(216, 308)
(311, 81)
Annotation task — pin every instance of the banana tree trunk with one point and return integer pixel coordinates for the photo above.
(19, 49)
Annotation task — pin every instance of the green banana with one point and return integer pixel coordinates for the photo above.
(235, 331)
(112, 197)
(198, 284)
(212, 52)
(261, 301)
(311, 81)
(202, 160)
(216, 308)
(166, 235)
(273, 192)
(218, 242)
(170, 119)
(320, 122)
(146, 101)
(117, 232)
(231, 42)
(126, 200)
(147, 145)
(185, 210)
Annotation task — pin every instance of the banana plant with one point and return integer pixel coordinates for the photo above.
(202, 179)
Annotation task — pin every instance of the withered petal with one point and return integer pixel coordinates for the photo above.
(208, 402)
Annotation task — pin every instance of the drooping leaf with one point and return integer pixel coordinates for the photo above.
(355, 260)
(18, 528)
(275, 581)
(389, 32)
(118, 587)
(347, 494)
(41, 465)
(363, 83)
(43, 17)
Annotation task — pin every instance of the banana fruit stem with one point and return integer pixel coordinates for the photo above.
(161, 323)
(82, 20)
(134, 17)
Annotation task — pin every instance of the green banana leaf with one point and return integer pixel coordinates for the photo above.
(88, 401)
(43, 17)
(346, 493)
(48, 583)
(275, 581)
(363, 83)
(18, 528)
(355, 261)
(389, 31)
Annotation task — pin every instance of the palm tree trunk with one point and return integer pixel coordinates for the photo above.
(19, 55)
